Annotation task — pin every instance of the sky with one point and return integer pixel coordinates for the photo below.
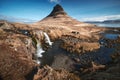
(82, 10)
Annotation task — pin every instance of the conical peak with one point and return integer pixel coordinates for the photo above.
(57, 10)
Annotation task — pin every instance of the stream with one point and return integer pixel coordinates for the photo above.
(57, 57)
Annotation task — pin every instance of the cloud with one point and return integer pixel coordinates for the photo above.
(55, 1)
(14, 19)
(102, 18)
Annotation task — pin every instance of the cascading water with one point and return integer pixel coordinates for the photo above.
(47, 39)
(39, 52)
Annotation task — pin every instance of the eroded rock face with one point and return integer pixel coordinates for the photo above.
(17, 42)
(16, 53)
(14, 65)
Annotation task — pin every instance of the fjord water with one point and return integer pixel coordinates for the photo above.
(108, 24)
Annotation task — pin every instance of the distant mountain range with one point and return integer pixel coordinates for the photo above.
(14, 19)
(106, 21)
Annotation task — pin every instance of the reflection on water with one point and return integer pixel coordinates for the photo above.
(111, 36)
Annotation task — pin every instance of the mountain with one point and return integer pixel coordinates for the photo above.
(58, 22)
(58, 17)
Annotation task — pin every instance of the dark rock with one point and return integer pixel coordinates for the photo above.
(76, 59)
(57, 10)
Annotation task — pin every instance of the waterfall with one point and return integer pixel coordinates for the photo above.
(39, 52)
(47, 39)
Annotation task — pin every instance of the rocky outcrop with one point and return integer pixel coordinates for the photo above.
(112, 72)
(76, 44)
(80, 47)
(16, 54)
(14, 65)
(47, 73)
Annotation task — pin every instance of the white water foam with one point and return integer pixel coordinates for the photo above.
(47, 39)
(39, 50)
